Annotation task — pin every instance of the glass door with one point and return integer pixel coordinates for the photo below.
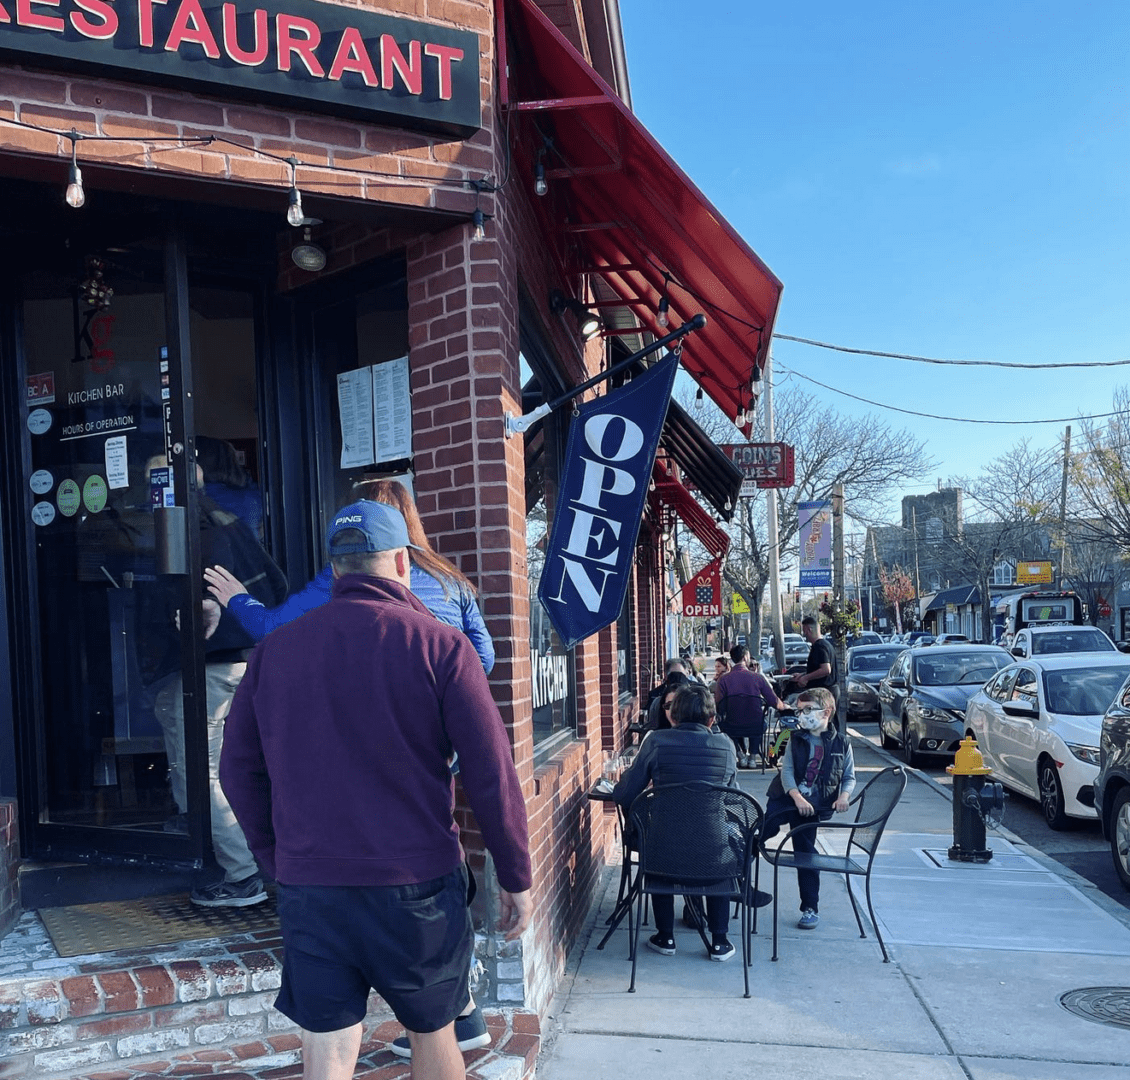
(116, 620)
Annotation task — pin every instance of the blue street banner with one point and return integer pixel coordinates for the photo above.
(815, 544)
(604, 483)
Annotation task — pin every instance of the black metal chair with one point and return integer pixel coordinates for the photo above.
(625, 897)
(873, 808)
(695, 839)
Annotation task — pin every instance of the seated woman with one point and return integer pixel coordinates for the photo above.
(437, 583)
(688, 751)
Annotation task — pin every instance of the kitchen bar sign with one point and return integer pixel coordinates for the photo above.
(348, 61)
(815, 544)
(604, 485)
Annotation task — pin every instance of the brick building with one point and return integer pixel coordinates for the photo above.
(348, 240)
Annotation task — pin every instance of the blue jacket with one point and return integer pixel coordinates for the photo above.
(457, 609)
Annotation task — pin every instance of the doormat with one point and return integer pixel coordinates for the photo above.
(150, 920)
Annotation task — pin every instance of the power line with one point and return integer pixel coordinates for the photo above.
(934, 416)
(936, 360)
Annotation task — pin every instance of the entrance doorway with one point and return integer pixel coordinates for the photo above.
(137, 338)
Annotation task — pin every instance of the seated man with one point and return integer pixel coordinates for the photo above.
(743, 694)
(688, 751)
(817, 778)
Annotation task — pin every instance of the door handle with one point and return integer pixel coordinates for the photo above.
(170, 549)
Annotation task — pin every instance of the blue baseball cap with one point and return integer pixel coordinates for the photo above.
(383, 526)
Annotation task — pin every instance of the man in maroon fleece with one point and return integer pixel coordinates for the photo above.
(335, 761)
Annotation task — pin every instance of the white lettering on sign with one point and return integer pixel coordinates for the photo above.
(594, 538)
(95, 393)
(551, 678)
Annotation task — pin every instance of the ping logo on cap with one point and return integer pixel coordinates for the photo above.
(351, 519)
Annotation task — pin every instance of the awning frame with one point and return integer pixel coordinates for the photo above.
(596, 230)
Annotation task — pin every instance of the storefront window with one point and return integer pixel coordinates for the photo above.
(625, 666)
(551, 664)
(360, 347)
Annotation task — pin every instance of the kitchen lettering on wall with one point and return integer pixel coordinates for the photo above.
(323, 57)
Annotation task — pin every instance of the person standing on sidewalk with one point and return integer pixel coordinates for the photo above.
(816, 779)
(821, 668)
(336, 764)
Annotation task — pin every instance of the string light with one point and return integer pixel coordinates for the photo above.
(75, 195)
(294, 213)
(698, 399)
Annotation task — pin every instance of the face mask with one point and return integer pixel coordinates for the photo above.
(811, 719)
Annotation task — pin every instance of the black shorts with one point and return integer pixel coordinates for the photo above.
(410, 943)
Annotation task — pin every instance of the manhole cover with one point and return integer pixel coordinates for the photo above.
(1100, 1004)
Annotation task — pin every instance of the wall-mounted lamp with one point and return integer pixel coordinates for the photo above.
(307, 255)
(75, 195)
(589, 323)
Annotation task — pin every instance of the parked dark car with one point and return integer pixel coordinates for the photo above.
(864, 637)
(919, 637)
(866, 666)
(923, 696)
(1112, 785)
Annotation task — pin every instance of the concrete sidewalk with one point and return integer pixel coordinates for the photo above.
(981, 956)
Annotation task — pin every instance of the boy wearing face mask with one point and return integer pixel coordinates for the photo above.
(817, 778)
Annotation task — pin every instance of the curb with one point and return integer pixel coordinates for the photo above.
(1088, 888)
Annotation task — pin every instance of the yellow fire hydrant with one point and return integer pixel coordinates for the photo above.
(973, 797)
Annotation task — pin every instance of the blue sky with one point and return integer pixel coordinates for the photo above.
(948, 180)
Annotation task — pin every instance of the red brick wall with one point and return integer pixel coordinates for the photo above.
(129, 113)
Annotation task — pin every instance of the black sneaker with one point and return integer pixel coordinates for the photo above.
(245, 893)
(721, 951)
(665, 946)
(470, 1032)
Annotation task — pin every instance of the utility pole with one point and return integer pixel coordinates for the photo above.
(1063, 563)
(838, 591)
(917, 580)
(775, 612)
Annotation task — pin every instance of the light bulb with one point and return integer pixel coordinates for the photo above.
(740, 420)
(698, 398)
(663, 318)
(540, 186)
(75, 195)
(294, 213)
(478, 232)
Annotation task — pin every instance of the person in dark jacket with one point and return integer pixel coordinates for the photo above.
(689, 751)
(816, 780)
(743, 696)
(658, 718)
(226, 541)
(336, 763)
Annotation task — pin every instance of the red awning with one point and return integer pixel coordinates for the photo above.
(670, 493)
(619, 207)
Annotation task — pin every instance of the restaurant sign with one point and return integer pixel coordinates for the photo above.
(763, 465)
(347, 61)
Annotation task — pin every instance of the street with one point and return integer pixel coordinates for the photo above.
(1080, 846)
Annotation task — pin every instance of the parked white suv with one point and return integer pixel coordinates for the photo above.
(1049, 640)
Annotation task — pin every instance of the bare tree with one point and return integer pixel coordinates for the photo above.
(864, 454)
(1100, 474)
